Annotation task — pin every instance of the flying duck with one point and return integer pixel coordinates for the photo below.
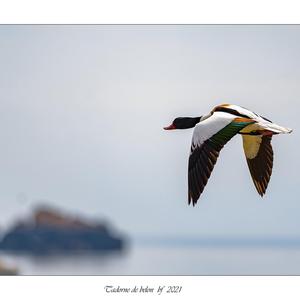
(214, 130)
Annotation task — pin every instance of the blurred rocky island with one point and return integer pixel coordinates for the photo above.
(50, 231)
(5, 270)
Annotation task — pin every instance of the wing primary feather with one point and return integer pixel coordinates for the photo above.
(260, 166)
(203, 157)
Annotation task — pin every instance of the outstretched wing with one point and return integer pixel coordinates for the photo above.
(259, 155)
(209, 138)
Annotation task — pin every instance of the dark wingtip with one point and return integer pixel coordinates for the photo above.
(262, 193)
(191, 200)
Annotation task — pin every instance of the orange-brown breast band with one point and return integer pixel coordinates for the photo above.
(241, 120)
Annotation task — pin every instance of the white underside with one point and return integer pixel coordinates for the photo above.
(265, 125)
(216, 121)
(261, 123)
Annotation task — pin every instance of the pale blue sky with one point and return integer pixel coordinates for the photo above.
(82, 111)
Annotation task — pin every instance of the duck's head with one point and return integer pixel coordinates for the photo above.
(183, 123)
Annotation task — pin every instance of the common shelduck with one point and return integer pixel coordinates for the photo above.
(214, 130)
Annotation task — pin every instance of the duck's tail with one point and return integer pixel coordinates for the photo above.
(276, 128)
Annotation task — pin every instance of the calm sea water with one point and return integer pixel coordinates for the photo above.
(165, 260)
